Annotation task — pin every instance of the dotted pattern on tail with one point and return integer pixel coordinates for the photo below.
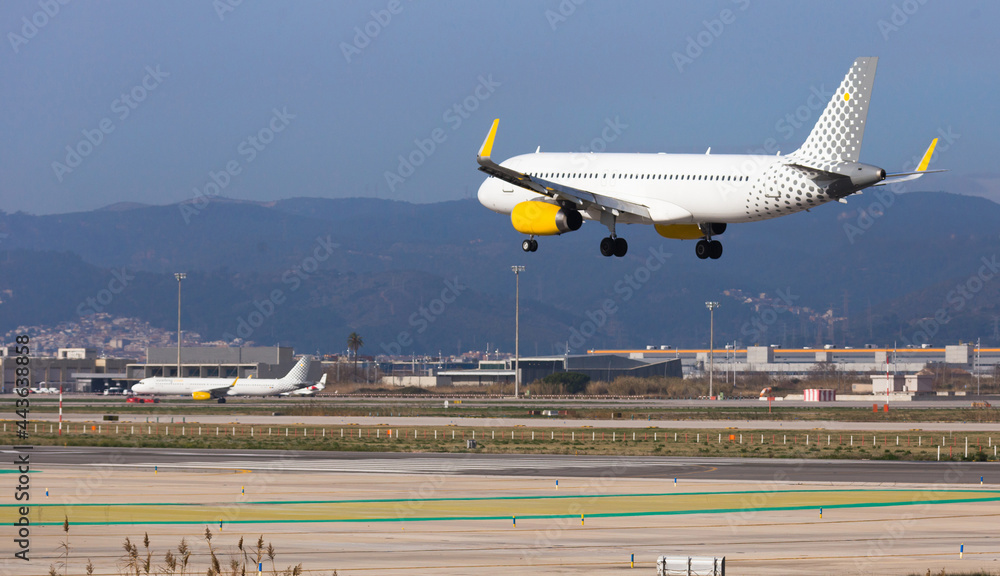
(300, 371)
(838, 133)
(836, 138)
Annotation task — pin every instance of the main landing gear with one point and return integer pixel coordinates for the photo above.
(612, 246)
(708, 249)
(529, 245)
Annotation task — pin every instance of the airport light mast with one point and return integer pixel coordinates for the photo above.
(179, 276)
(979, 359)
(517, 328)
(711, 343)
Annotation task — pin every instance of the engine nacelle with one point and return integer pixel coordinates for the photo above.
(201, 396)
(713, 228)
(544, 219)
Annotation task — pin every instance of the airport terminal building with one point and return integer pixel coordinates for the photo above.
(598, 367)
(797, 363)
(72, 369)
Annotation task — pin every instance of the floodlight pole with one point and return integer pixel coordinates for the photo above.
(711, 344)
(517, 328)
(179, 276)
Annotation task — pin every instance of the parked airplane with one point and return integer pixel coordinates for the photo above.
(42, 389)
(308, 390)
(690, 196)
(219, 388)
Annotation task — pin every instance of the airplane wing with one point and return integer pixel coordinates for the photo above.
(211, 392)
(581, 198)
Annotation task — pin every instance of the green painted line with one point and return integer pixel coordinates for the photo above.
(537, 497)
(543, 516)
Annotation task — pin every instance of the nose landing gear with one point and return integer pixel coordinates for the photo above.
(529, 245)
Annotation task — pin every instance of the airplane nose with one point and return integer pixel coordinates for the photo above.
(484, 194)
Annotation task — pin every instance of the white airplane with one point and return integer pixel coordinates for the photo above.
(690, 196)
(219, 388)
(308, 390)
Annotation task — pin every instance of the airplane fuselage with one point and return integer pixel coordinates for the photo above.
(725, 188)
(188, 386)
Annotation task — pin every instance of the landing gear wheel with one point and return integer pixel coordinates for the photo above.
(608, 246)
(702, 249)
(714, 249)
(526, 245)
(534, 245)
(621, 247)
(222, 400)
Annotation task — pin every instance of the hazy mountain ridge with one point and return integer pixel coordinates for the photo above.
(375, 266)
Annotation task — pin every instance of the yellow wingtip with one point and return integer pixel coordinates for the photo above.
(926, 160)
(487, 148)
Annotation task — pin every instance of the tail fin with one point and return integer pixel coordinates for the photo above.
(838, 133)
(299, 372)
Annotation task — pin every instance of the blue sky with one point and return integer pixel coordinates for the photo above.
(156, 100)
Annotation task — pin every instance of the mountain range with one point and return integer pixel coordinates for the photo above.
(423, 278)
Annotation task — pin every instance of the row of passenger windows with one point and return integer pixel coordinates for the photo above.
(619, 176)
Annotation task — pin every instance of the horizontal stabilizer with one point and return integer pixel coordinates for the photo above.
(920, 171)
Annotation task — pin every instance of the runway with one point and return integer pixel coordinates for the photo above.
(503, 421)
(392, 463)
(456, 514)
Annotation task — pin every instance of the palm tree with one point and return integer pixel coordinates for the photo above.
(354, 343)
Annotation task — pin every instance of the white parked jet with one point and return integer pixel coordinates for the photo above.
(308, 390)
(219, 388)
(689, 196)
